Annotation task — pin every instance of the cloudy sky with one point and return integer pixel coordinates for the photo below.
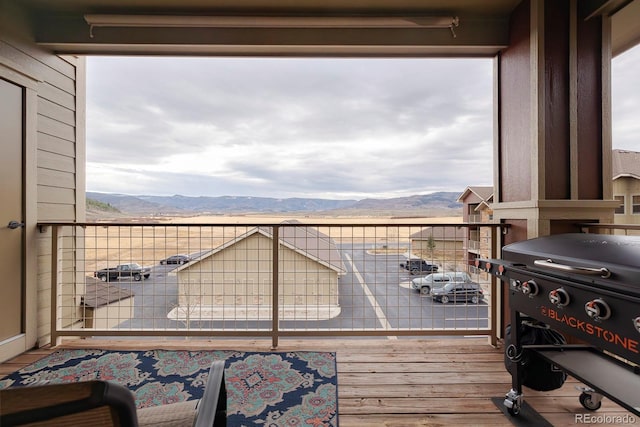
(330, 128)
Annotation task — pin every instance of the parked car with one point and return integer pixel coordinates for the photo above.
(419, 266)
(438, 280)
(176, 259)
(134, 270)
(458, 292)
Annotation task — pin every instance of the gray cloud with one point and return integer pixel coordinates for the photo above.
(300, 127)
(626, 100)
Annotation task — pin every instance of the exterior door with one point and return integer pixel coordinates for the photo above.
(11, 212)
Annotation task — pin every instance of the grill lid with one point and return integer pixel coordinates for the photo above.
(612, 261)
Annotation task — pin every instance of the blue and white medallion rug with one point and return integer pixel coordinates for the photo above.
(264, 389)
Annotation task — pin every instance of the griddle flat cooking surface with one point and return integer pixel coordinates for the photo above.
(618, 254)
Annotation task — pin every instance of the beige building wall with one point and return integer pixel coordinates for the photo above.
(241, 275)
(627, 187)
(110, 315)
(484, 233)
(54, 160)
(440, 245)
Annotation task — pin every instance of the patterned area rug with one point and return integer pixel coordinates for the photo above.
(265, 389)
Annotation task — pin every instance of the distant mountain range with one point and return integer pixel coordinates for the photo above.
(435, 204)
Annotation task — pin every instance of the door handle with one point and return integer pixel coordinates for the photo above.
(15, 224)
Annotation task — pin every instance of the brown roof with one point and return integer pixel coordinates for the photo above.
(303, 239)
(440, 233)
(311, 242)
(626, 164)
(484, 193)
(99, 294)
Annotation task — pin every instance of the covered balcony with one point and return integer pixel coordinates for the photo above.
(404, 358)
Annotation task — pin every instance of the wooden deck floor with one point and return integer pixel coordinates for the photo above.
(404, 382)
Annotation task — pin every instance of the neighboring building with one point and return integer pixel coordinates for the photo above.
(626, 186)
(477, 202)
(440, 245)
(438, 239)
(104, 305)
(235, 279)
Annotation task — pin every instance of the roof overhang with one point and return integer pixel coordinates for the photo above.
(482, 29)
(166, 27)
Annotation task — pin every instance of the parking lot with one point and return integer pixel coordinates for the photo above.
(374, 294)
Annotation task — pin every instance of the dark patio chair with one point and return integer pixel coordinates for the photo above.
(102, 403)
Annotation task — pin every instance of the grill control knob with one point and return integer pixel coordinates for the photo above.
(559, 297)
(636, 323)
(530, 288)
(597, 309)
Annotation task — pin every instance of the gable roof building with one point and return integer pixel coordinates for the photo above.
(235, 280)
(476, 199)
(477, 210)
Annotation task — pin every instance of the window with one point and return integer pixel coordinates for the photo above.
(620, 209)
(635, 208)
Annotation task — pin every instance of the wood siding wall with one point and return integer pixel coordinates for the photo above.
(57, 160)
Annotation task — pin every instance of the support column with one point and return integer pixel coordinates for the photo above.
(553, 131)
(552, 152)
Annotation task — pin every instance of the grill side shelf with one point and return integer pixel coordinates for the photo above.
(603, 373)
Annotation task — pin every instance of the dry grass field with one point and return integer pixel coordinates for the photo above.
(107, 245)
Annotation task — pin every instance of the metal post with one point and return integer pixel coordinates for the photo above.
(275, 287)
(54, 285)
(494, 292)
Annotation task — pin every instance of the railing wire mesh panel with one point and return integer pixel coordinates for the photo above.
(224, 280)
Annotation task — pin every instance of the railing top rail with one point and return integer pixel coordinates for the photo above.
(269, 223)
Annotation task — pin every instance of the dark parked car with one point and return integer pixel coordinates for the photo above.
(419, 266)
(176, 259)
(458, 292)
(134, 270)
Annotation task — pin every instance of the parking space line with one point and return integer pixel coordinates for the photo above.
(372, 299)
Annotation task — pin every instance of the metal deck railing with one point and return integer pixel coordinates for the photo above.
(259, 280)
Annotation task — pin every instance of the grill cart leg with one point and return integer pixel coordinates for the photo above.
(589, 398)
(513, 399)
(513, 402)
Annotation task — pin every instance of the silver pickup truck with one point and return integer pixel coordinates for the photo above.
(438, 280)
